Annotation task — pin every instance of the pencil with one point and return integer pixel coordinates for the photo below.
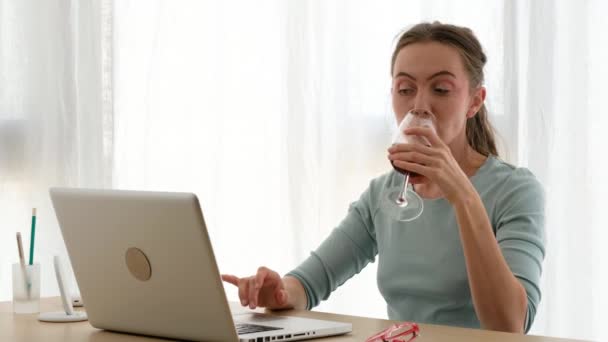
(22, 263)
(32, 236)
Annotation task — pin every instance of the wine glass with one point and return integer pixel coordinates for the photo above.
(399, 201)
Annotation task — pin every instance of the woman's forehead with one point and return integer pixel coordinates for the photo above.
(425, 59)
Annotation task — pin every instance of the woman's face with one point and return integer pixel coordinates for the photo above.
(431, 76)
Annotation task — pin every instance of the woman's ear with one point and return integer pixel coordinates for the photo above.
(477, 101)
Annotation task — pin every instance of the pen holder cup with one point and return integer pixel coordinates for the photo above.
(26, 288)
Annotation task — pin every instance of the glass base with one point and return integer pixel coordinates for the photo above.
(26, 306)
(404, 211)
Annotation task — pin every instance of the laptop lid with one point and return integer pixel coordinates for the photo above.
(144, 263)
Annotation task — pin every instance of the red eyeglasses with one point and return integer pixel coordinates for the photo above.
(402, 332)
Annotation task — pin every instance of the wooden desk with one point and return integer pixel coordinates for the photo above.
(26, 328)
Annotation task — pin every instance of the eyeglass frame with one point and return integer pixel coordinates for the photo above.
(383, 336)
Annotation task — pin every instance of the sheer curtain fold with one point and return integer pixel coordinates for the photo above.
(52, 116)
(277, 114)
(558, 131)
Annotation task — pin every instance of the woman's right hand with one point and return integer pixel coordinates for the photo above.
(264, 289)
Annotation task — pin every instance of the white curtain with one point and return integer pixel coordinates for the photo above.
(55, 119)
(277, 114)
(561, 137)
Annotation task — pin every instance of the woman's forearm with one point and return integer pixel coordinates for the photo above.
(499, 299)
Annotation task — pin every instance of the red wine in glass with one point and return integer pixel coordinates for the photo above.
(404, 172)
(398, 200)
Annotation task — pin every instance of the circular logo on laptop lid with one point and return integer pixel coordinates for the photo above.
(138, 264)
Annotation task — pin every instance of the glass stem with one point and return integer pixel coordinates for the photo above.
(402, 199)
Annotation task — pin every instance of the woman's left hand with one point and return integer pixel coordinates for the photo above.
(435, 162)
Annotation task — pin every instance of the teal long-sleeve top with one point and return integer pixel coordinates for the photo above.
(421, 265)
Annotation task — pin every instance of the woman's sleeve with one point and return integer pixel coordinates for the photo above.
(520, 232)
(347, 250)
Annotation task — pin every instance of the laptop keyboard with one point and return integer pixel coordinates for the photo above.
(246, 328)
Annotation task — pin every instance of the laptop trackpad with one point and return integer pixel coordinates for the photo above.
(259, 318)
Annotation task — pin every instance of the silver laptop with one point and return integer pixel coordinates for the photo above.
(144, 264)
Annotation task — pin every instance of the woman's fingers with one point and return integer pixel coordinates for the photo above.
(244, 291)
(269, 286)
(241, 284)
(229, 278)
(253, 293)
(415, 157)
(413, 167)
(260, 277)
(265, 288)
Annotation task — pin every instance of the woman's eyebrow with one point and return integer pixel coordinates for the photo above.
(439, 73)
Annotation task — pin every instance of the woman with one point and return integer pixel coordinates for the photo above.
(473, 258)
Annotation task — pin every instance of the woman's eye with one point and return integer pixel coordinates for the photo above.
(441, 91)
(406, 91)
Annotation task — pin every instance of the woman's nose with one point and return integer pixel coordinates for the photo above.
(421, 103)
(420, 111)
